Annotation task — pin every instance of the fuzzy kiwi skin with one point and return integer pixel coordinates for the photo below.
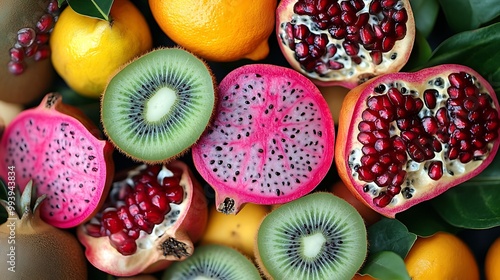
(38, 76)
(187, 148)
(308, 200)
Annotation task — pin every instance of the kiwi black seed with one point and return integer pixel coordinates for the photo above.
(318, 236)
(158, 105)
(213, 262)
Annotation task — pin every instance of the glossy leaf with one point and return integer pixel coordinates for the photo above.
(390, 235)
(465, 15)
(423, 220)
(474, 204)
(477, 49)
(385, 265)
(93, 8)
(425, 13)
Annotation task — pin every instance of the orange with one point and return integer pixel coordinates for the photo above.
(218, 30)
(369, 215)
(87, 51)
(441, 256)
(492, 261)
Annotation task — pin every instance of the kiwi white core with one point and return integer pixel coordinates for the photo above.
(313, 244)
(202, 277)
(160, 104)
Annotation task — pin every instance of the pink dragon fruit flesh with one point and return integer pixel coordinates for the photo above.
(271, 141)
(60, 149)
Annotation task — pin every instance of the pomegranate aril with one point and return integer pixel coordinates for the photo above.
(366, 34)
(42, 38)
(387, 26)
(383, 180)
(175, 194)
(490, 136)
(111, 221)
(154, 217)
(430, 98)
(125, 217)
(365, 126)
(300, 31)
(368, 160)
(375, 7)
(43, 52)
(301, 50)
(400, 16)
(16, 54)
(377, 169)
(369, 115)
(382, 145)
(399, 178)
(26, 36)
(335, 65)
(358, 4)
(442, 117)
(134, 233)
(376, 57)
(388, 3)
(362, 20)
(350, 48)
(45, 23)
(399, 31)
(322, 5)
(368, 150)
(31, 50)
(454, 92)
(16, 67)
(134, 210)
(144, 225)
(430, 125)
(457, 80)
(93, 230)
(464, 157)
(349, 18)
(382, 200)
(365, 174)
(53, 7)
(123, 243)
(393, 189)
(388, 43)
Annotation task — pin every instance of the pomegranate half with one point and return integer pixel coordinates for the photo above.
(345, 42)
(152, 217)
(405, 138)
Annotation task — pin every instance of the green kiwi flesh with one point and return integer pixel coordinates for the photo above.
(158, 105)
(318, 236)
(213, 261)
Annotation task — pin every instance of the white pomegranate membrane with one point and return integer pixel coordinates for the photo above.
(345, 42)
(414, 135)
(271, 140)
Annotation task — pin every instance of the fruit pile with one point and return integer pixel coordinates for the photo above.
(300, 139)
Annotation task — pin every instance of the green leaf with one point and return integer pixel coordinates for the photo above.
(477, 49)
(385, 265)
(390, 235)
(425, 13)
(92, 8)
(474, 204)
(423, 220)
(420, 53)
(465, 15)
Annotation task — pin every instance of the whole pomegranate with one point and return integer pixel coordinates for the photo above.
(33, 249)
(152, 217)
(405, 138)
(25, 70)
(345, 42)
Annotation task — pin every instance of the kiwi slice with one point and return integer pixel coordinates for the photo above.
(318, 236)
(158, 105)
(213, 262)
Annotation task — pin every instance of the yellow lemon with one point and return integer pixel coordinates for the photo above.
(218, 30)
(237, 231)
(87, 51)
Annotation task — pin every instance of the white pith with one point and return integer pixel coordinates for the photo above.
(160, 104)
(417, 179)
(350, 68)
(312, 244)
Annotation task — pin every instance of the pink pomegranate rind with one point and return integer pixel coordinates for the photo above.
(393, 157)
(58, 147)
(271, 141)
(343, 42)
(183, 226)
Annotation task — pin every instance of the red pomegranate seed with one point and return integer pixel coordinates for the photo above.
(302, 8)
(400, 16)
(322, 5)
(16, 67)
(395, 96)
(377, 169)
(123, 243)
(388, 43)
(382, 200)
(31, 50)
(393, 189)
(471, 91)
(435, 171)
(370, 115)
(382, 145)
(111, 222)
(375, 7)
(134, 209)
(381, 134)
(399, 31)
(42, 38)
(45, 23)
(301, 50)
(43, 52)
(386, 159)
(349, 18)
(430, 125)
(347, 7)
(154, 217)
(53, 7)
(144, 225)
(334, 10)
(351, 48)
(490, 136)
(16, 54)
(134, 233)
(125, 217)
(300, 31)
(337, 32)
(376, 57)
(368, 160)
(365, 126)
(388, 3)
(366, 34)
(387, 26)
(175, 194)
(365, 174)
(491, 125)
(93, 230)
(383, 180)
(382, 125)
(335, 65)
(362, 20)
(430, 96)
(26, 36)
(368, 150)
(399, 178)
(465, 157)
(457, 80)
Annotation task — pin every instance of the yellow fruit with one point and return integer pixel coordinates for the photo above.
(236, 231)
(492, 261)
(218, 30)
(441, 256)
(87, 51)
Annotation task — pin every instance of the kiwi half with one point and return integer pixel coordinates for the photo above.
(318, 236)
(158, 105)
(213, 262)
